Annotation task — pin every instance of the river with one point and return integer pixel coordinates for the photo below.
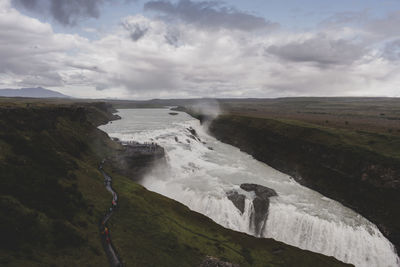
(199, 173)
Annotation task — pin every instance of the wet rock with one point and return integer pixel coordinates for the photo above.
(260, 214)
(214, 262)
(260, 205)
(193, 166)
(192, 131)
(237, 199)
(193, 134)
(260, 191)
(135, 159)
(193, 137)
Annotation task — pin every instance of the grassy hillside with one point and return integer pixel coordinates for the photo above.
(51, 194)
(52, 197)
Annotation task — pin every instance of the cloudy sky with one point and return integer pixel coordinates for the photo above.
(138, 49)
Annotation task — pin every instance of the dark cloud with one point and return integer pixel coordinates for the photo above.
(66, 12)
(136, 30)
(30, 4)
(172, 39)
(320, 50)
(392, 50)
(209, 14)
(81, 66)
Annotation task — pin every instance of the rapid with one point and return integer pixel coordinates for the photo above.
(199, 173)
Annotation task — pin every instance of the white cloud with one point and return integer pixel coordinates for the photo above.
(146, 57)
(30, 51)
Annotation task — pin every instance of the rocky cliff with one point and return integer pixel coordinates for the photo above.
(260, 204)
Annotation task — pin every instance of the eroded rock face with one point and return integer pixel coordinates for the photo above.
(261, 191)
(193, 134)
(260, 204)
(214, 262)
(135, 159)
(260, 214)
(237, 200)
(192, 131)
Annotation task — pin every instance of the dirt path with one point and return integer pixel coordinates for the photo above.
(112, 255)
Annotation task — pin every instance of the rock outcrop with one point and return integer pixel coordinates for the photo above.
(260, 204)
(135, 159)
(262, 192)
(237, 200)
(193, 134)
(214, 262)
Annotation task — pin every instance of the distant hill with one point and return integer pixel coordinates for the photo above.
(37, 92)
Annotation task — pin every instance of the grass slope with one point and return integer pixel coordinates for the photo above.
(51, 194)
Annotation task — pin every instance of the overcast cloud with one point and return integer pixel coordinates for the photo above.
(210, 14)
(320, 49)
(209, 50)
(66, 12)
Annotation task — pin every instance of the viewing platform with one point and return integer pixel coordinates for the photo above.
(148, 148)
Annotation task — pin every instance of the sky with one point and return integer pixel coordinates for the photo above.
(140, 49)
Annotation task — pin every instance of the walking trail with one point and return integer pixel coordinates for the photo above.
(112, 255)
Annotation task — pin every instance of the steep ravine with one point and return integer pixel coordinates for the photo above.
(367, 182)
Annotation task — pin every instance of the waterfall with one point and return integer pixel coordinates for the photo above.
(361, 245)
(200, 172)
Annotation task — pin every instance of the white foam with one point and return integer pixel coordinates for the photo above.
(199, 178)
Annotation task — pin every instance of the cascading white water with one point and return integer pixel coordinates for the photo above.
(199, 173)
